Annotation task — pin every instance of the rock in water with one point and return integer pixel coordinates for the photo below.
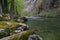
(34, 37)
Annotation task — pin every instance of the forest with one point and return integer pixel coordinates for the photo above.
(29, 19)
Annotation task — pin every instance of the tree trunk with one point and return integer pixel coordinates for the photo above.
(4, 6)
(0, 8)
(12, 9)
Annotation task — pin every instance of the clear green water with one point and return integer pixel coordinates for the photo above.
(47, 28)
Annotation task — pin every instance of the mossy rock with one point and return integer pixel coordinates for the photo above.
(4, 24)
(9, 26)
(22, 20)
(22, 36)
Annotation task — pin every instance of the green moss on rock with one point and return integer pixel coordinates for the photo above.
(22, 36)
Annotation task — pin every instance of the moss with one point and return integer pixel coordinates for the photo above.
(4, 24)
(9, 27)
(22, 36)
(25, 36)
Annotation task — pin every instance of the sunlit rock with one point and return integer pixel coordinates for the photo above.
(1, 29)
(18, 31)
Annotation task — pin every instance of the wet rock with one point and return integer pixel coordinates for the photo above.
(34, 37)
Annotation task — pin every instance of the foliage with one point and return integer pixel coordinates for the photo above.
(49, 13)
(5, 33)
(19, 5)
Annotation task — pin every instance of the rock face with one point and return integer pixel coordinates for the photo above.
(47, 4)
(30, 8)
(30, 5)
(43, 5)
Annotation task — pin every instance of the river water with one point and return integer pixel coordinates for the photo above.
(47, 28)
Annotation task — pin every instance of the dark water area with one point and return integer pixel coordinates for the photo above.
(47, 28)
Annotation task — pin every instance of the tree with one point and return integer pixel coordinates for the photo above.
(4, 5)
(12, 9)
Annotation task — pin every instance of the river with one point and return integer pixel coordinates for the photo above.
(47, 28)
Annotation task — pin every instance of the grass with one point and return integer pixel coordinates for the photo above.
(47, 28)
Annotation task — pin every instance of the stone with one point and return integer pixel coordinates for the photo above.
(34, 37)
(17, 31)
(1, 29)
